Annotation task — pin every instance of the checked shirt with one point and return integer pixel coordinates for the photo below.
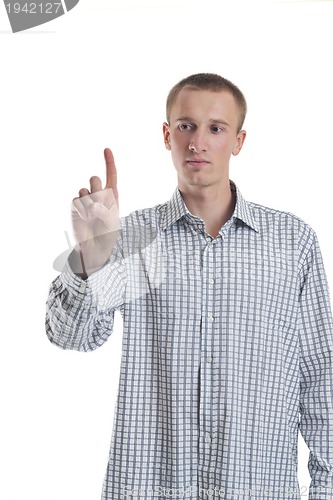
(226, 354)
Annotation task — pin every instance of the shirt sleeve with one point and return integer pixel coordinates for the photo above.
(80, 314)
(316, 371)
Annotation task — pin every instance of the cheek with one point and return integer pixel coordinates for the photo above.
(225, 147)
(176, 156)
(179, 142)
(177, 149)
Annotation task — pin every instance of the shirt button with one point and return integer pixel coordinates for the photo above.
(207, 438)
(209, 359)
(211, 281)
(210, 319)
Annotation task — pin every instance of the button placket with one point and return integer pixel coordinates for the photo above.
(208, 326)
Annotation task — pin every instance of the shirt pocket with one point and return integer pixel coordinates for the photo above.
(179, 292)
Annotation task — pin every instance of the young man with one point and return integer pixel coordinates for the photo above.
(227, 342)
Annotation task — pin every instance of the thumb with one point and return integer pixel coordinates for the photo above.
(100, 210)
(109, 216)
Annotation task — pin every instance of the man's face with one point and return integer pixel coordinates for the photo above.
(202, 136)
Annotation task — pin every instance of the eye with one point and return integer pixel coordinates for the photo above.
(184, 126)
(216, 129)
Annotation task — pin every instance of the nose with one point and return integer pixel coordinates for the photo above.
(197, 142)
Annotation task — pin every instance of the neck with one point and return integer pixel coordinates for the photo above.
(213, 205)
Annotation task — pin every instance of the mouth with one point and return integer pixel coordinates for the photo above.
(197, 163)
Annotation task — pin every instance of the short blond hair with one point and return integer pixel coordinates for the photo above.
(208, 81)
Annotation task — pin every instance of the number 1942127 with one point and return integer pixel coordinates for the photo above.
(33, 8)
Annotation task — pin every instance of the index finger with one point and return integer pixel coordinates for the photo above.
(111, 172)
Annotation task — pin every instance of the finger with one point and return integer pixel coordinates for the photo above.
(83, 192)
(111, 172)
(79, 208)
(84, 201)
(95, 184)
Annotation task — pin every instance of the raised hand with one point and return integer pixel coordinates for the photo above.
(95, 219)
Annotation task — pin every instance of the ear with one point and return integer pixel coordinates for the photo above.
(166, 135)
(239, 142)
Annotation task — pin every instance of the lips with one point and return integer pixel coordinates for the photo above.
(198, 162)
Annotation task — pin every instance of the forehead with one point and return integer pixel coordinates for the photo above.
(205, 104)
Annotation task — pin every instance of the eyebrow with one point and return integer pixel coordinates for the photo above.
(212, 120)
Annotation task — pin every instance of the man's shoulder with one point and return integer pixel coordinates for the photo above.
(280, 220)
(264, 210)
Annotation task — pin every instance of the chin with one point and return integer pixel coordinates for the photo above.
(197, 183)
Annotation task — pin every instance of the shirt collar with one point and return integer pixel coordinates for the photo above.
(175, 209)
(243, 210)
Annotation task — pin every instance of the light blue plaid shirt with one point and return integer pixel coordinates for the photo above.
(227, 353)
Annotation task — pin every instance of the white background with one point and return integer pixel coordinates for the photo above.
(98, 77)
